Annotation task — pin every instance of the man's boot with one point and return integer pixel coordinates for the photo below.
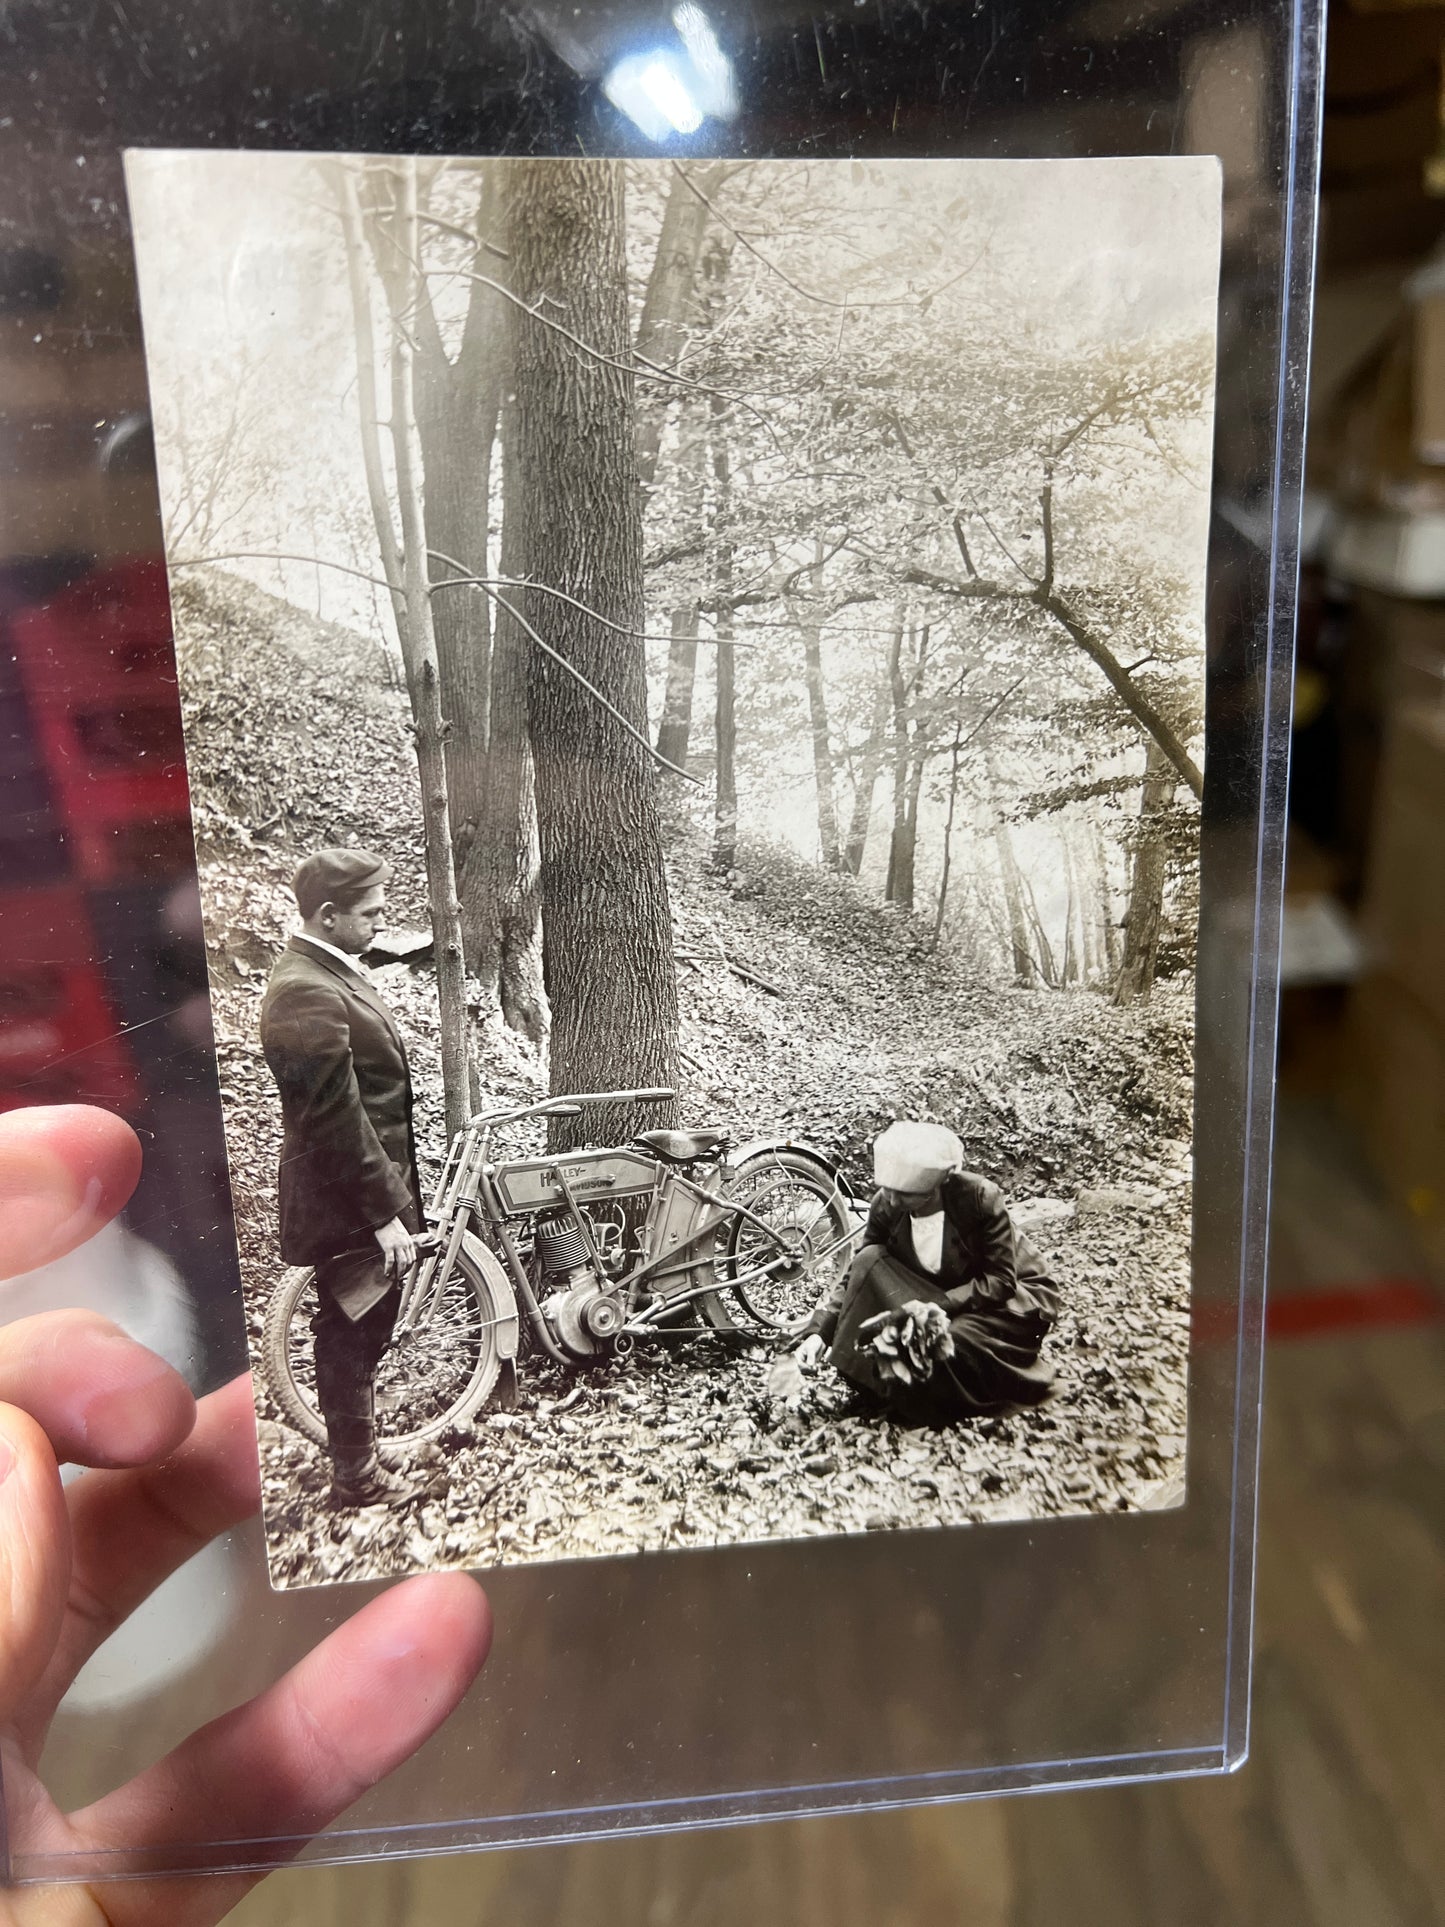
(347, 1396)
(358, 1477)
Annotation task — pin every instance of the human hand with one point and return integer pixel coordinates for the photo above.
(398, 1252)
(76, 1561)
(810, 1351)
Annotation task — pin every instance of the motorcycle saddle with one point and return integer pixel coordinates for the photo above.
(681, 1147)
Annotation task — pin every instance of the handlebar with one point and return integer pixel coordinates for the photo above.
(571, 1104)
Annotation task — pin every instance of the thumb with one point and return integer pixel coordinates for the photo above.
(65, 1170)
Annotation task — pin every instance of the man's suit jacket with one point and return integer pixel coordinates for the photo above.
(348, 1157)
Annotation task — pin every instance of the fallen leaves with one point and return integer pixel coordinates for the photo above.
(1079, 1110)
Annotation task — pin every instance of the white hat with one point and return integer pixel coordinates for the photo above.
(914, 1157)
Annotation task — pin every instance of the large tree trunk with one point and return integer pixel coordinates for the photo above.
(606, 923)
(404, 284)
(501, 886)
(1146, 883)
(725, 719)
(457, 410)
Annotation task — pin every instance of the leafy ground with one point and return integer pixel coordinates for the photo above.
(1080, 1111)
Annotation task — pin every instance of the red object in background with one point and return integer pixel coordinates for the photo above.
(59, 1041)
(97, 663)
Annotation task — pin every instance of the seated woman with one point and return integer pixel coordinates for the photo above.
(938, 1235)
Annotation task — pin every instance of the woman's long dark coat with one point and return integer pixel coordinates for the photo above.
(991, 1282)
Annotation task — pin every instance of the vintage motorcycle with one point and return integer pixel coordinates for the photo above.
(578, 1255)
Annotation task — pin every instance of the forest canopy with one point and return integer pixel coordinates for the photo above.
(858, 507)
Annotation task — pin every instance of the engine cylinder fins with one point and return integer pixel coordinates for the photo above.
(561, 1248)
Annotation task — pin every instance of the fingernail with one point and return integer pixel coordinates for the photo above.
(81, 1223)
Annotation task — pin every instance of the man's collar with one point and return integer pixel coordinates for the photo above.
(353, 964)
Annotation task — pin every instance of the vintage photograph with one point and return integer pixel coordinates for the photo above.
(693, 677)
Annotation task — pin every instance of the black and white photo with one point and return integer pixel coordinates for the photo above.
(693, 677)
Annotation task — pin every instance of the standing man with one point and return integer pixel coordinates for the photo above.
(349, 1196)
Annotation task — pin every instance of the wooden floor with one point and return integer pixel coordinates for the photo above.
(1337, 1821)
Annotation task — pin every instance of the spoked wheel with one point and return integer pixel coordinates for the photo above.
(804, 1214)
(431, 1380)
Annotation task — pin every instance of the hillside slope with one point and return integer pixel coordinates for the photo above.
(842, 1020)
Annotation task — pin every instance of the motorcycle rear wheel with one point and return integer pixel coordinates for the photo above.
(435, 1379)
(807, 1210)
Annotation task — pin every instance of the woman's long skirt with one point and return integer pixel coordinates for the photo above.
(995, 1362)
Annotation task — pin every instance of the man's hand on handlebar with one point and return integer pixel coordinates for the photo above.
(398, 1249)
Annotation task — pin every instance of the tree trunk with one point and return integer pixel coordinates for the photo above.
(947, 865)
(1073, 918)
(354, 229)
(1048, 968)
(1013, 896)
(1091, 949)
(675, 727)
(662, 325)
(606, 922)
(868, 774)
(909, 854)
(910, 752)
(898, 695)
(1108, 929)
(501, 887)
(1146, 883)
(457, 411)
(423, 673)
(725, 720)
(829, 851)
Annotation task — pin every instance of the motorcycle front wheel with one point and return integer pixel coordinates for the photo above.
(434, 1379)
(806, 1214)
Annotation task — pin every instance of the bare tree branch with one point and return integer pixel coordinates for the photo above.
(909, 300)
(1144, 712)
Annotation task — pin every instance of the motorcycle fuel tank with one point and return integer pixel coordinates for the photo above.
(531, 1184)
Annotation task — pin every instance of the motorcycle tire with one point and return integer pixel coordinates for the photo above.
(782, 1186)
(434, 1381)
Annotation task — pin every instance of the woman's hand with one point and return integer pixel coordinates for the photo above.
(75, 1561)
(810, 1351)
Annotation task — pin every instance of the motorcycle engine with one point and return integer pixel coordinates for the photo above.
(583, 1311)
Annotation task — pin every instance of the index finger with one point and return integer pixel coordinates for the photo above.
(282, 1766)
(65, 1170)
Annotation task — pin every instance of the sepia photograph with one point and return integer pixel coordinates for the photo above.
(693, 682)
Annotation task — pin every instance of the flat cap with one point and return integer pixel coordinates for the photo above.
(336, 876)
(911, 1156)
